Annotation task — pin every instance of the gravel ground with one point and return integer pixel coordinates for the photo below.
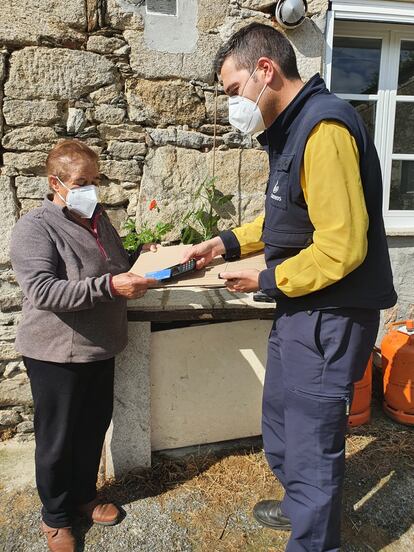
(202, 503)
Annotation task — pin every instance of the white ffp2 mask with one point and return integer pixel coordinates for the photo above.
(82, 201)
(245, 114)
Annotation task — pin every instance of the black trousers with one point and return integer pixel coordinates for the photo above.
(72, 411)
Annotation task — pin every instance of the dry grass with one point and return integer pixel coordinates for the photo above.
(230, 488)
(383, 440)
(221, 492)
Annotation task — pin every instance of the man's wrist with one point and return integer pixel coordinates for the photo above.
(218, 245)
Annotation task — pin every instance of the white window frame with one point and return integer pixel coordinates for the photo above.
(342, 13)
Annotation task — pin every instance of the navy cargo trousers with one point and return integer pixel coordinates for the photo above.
(314, 357)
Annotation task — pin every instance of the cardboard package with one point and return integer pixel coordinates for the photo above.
(167, 256)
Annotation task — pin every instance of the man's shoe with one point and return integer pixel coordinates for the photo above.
(101, 514)
(269, 514)
(59, 540)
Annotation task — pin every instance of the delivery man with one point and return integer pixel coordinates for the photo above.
(328, 268)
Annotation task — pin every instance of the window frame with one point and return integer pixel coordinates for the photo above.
(386, 98)
(386, 11)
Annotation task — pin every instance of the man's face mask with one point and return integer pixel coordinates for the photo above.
(82, 201)
(244, 114)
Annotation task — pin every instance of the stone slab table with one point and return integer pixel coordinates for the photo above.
(128, 441)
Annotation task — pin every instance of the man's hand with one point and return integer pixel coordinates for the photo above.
(130, 285)
(204, 252)
(149, 247)
(244, 281)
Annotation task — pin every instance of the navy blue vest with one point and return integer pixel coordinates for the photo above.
(287, 227)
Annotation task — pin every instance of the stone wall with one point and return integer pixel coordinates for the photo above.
(137, 87)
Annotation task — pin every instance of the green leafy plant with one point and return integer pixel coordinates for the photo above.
(133, 239)
(200, 223)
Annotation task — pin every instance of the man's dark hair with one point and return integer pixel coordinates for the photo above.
(255, 41)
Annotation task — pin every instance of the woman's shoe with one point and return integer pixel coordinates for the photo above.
(101, 514)
(59, 539)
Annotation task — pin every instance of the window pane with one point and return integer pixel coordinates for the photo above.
(406, 73)
(355, 65)
(367, 110)
(402, 185)
(404, 128)
(167, 7)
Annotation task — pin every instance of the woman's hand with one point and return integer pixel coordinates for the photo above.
(130, 285)
(204, 252)
(244, 281)
(149, 247)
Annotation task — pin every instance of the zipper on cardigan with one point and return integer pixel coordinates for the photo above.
(94, 229)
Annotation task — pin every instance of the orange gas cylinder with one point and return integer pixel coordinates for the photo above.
(360, 412)
(397, 351)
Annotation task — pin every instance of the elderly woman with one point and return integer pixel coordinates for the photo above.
(74, 273)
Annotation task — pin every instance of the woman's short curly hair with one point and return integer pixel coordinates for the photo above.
(65, 153)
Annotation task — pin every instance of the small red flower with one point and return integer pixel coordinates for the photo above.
(153, 205)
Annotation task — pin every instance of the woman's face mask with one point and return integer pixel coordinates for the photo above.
(82, 201)
(244, 114)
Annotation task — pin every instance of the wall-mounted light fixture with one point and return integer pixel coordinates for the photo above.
(291, 13)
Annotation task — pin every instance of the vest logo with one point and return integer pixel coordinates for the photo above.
(274, 192)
